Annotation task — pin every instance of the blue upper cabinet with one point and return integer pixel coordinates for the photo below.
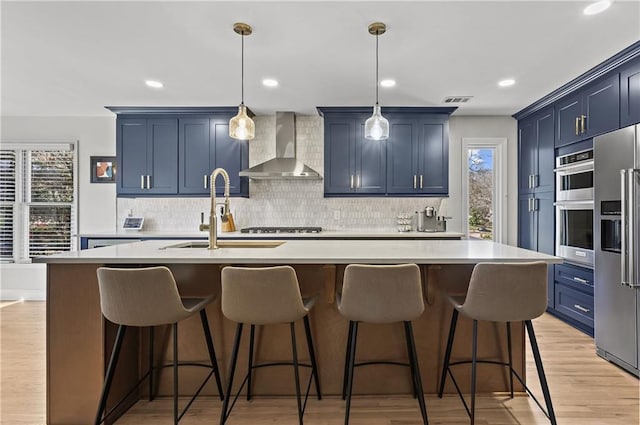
(414, 161)
(353, 165)
(589, 112)
(418, 155)
(205, 145)
(630, 94)
(147, 151)
(172, 151)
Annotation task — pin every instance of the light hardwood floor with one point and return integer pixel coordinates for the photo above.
(586, 390)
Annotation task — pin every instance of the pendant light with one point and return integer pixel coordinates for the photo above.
(377, 126)
(241, 126)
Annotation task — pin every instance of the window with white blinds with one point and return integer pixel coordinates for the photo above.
(38, 203)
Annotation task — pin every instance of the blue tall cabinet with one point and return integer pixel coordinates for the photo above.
(603, 99)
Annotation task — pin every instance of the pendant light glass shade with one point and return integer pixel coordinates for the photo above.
(241, 126)
(377, 126)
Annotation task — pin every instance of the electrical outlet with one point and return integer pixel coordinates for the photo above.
(336, 214)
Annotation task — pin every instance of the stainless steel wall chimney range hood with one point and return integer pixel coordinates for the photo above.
(285, 165)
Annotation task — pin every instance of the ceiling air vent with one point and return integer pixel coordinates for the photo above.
(457, 99)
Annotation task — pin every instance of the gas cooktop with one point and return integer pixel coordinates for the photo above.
(281, 230)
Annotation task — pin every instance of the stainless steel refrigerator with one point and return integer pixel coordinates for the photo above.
(617, 246)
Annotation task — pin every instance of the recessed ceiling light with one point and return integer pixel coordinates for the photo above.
(154, 84)
(388, 83)
(508, 82)
(597, 7)
(270, 82)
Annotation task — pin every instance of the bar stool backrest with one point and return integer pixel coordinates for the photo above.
(506, 292)
(261, 295)
(381, 293)
(140, 296)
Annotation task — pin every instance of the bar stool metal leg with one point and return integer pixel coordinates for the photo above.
(415, 370)
(510, 358)
(151, 343)
(296, 372)
(447, 355)
(474, 367)
(212, 351)
(543, 379)
(351, 366)
(175, 373)
(252, 331)
(346, 362)
(113, 361)
(411, 360)
(312, 355)
(232, 369)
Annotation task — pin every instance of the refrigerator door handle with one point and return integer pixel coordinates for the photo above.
(632, 217)
(623, 235)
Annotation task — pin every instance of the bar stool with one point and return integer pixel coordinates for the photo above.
(381, 294)
(149, 297)
(501, 292)
(264, 296)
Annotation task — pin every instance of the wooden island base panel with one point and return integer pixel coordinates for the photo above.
(79, 339)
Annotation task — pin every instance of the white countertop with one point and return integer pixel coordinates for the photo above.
(308, 252)
(369, 234)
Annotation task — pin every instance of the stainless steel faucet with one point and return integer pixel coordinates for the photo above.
(212, 227)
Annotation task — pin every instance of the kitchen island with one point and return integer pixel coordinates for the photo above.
(79, 339)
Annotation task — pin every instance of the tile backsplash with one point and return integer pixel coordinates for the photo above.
(282, 202)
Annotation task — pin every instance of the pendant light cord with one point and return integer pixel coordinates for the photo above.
(242, 71)
(377, 67)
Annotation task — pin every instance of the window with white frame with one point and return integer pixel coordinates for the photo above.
(38, 199)
(484, 188)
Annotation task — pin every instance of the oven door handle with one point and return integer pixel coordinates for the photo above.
(574, 205)
(574, 168)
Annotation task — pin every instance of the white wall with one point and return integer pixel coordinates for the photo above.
(97, 202)
(98, 210)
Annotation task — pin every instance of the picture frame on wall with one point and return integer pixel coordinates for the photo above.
(103, 169)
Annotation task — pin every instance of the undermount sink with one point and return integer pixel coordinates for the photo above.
(228, 244)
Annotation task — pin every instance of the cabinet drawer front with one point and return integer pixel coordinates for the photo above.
(575, 277)
(575, 304)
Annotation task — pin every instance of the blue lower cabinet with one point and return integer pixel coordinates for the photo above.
(573, 287)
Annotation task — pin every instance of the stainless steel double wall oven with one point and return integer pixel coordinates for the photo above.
(574, 207)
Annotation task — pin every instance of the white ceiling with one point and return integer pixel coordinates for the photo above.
(73, 58)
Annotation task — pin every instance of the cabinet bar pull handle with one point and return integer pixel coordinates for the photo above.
(529, 204)
(205, 181)
(580, 280)
(421, 181)
(357, 180)
(415, 181)
(583, 119)
(351, 181)
(535, 179)
(577, 125)
(148, 182)
(582, 309)
(141, 182)
(535, 204)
